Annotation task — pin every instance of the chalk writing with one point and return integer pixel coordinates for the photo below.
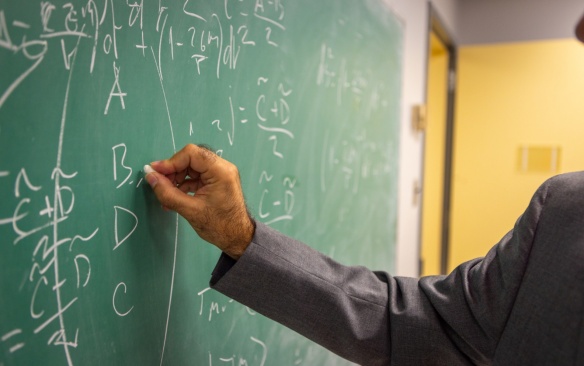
(119, 212)
(129, 74)
(119, 161)
(10, 337)
(277, 203)
(258, 358)
(214, 306)
(116, 90)
(121, 284)
(41, 211)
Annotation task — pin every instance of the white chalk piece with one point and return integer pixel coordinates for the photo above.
(148, 169)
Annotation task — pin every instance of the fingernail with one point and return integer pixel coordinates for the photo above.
(150, 178)
(148, 169)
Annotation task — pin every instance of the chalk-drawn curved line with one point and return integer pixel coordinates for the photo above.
(114, 300)
(226, 12)
(231, 136)
(57, 339)
(276, 129)
(56, 175)
(26, 234)
(285, 93)
(289, 182)
(60, 173)
(79, 237)
(65, 33)
(71, 204)
(122, 161)
(165, 101)
(25, 45)
(220, 44)
(191, 13)
(103, 13)
(17, 216)
(274, 150)
(265, 350)
(46, 10)
(6, 42)
(284, 111)
(262, 98)
(22, 175)
(279, 218)
(118, 241)
(82, 256)
(160, 45)
(58, 314)
(176, 228)
(42, 243)
(244, 40)
(10, 334)
(33, 313)
(21, 78)
(263, 215)
(94, 14)
(268, 35)
(270, 21)
(10, 220)
(265, 176)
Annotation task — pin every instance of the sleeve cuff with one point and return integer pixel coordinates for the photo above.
(223, 266)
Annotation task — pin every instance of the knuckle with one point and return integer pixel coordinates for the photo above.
(232, 168)
(190, 148)
(232, 172)
(206, 154)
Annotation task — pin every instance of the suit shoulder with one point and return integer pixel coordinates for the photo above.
(568, 183)
(565, 189)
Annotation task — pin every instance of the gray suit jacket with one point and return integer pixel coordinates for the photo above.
(522, 304)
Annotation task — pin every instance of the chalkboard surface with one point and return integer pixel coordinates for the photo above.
(303, 96)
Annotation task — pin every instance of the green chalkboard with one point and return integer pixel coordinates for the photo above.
(304, 96)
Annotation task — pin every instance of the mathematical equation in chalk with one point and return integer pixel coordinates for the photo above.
(120, 34)
(52, 254)
(258, 357)
(212, 42)
(119, 62)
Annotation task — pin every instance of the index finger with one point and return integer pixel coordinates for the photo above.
(193, 157)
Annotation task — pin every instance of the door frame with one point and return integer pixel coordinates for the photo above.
(436, 25)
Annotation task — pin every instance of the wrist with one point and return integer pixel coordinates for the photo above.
(237, 248)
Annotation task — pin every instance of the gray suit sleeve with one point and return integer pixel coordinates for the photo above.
(372, 318)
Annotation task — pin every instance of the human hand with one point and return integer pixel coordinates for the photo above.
(217, 210)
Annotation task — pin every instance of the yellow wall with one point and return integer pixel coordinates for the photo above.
(434, 148)
(507, 96)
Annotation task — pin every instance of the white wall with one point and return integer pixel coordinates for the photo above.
(414, 14)
(499, 21)
(449, 12)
